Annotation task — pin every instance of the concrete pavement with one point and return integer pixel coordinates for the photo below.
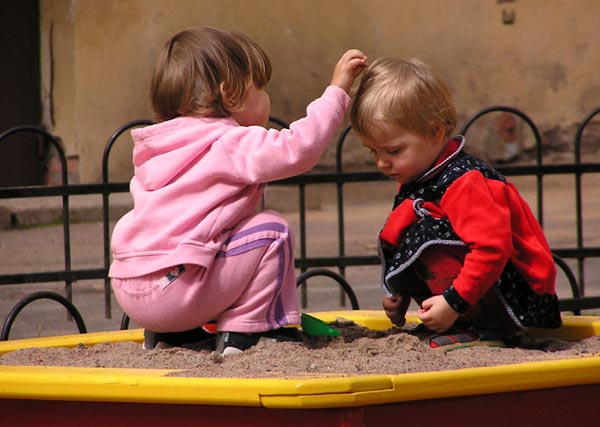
(31, 240)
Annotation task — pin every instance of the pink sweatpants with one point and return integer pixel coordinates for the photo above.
(249, 287)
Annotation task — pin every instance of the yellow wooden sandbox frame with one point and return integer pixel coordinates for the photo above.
(153, 386)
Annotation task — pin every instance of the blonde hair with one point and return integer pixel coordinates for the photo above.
(407, 92)
(206, 72)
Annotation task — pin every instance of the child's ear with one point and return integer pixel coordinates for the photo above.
(227, 99)
(438, 132)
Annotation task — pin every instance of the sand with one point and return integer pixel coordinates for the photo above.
(358, 351)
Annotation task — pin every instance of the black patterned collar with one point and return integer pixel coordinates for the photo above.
(443, 161)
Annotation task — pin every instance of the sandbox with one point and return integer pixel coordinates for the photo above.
(533, 393)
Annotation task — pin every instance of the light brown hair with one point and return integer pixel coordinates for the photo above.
(407, 92)
(206, 72)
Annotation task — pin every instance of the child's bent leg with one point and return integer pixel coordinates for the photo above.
(166, 300)
(255, 272)
(494, 316)
(250, 287)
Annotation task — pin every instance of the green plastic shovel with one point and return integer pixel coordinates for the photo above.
(316, 327)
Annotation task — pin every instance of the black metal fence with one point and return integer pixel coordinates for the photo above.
(309, 266)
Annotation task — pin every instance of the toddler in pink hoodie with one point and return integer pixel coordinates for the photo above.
(194, 248)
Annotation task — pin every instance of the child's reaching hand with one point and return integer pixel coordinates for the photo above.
(395, 309)
(350, 65)
(436, 314)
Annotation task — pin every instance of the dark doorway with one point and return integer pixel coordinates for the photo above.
(21, 155)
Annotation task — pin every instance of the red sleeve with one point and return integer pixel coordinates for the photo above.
(479, 213)
(532, 256)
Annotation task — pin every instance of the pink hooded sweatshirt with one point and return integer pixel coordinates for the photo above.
(196, 178)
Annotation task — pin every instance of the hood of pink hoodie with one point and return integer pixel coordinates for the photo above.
(162, 151)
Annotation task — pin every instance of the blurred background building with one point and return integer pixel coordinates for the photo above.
(81, 68)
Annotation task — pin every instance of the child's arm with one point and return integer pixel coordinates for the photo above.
(258, 155)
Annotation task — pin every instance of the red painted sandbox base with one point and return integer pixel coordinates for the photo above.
(547, 407)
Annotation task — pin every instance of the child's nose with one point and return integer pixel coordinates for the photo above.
(382, 163)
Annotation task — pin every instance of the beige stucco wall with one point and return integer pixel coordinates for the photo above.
(545, 63)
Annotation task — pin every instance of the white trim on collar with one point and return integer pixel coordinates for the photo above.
(443, 164)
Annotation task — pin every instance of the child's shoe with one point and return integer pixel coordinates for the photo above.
(230, 343)
(460, 338)
(157, 340)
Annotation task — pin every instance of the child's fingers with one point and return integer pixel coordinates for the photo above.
(358, 63)
(354, 53)
(426, 305)
(391, 302)
(350, 65)
(354, 57)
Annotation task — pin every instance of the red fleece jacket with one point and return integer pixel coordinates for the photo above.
(496, 224)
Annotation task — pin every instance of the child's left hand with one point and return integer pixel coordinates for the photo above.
(436, 314)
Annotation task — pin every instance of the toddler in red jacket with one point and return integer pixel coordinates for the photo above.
(460, 239)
